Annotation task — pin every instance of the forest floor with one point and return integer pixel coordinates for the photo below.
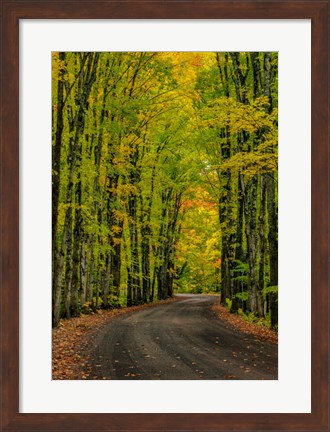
(188, 337)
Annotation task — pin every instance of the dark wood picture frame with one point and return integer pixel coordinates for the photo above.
(12, 12)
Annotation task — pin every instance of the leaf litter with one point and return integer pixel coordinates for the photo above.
(234, 320)
(73, 342)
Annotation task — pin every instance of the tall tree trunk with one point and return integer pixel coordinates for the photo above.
(160, 252)
(154, 278)
(145, 246)
(56, 169)
(262, 245)
(67, 313)
(106, 280)
(129, 295)
(260, 225)
(250, 208)
(58, 277)
(86, 80)
(225, 287)
(146, 233)
(134, 244)
(116, 261)
(239, 253)
(83, 273)
(273, 248)
(76, 255)
(272, 210)
(66, 246)
(90, 289)
(226, 221)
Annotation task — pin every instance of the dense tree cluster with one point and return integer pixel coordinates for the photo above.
(164, 178)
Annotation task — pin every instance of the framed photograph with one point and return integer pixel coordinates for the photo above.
(132, 187)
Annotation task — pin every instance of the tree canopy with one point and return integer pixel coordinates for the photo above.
(164, 171)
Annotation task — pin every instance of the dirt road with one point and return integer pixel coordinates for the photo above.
(183, 340)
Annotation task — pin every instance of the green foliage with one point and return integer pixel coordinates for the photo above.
(270, 290)
(228, 303)
(197, 289)
(240, 267)
(252, 318)
(87, 308)
(100, 302)
(114, 302)
(240, 271)
(244, 295)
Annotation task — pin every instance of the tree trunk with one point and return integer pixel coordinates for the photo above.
(90, 291)
(116, 264)
(66, 251)
(262, 245)
(134, 244)
(273, 248)
(76, 255)
(106, 282)
(56, 169)
(272, 211)
(226, 222)
(239, 254)
(250, 207)
(83, 274)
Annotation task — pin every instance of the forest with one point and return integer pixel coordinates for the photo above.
(164, 179)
